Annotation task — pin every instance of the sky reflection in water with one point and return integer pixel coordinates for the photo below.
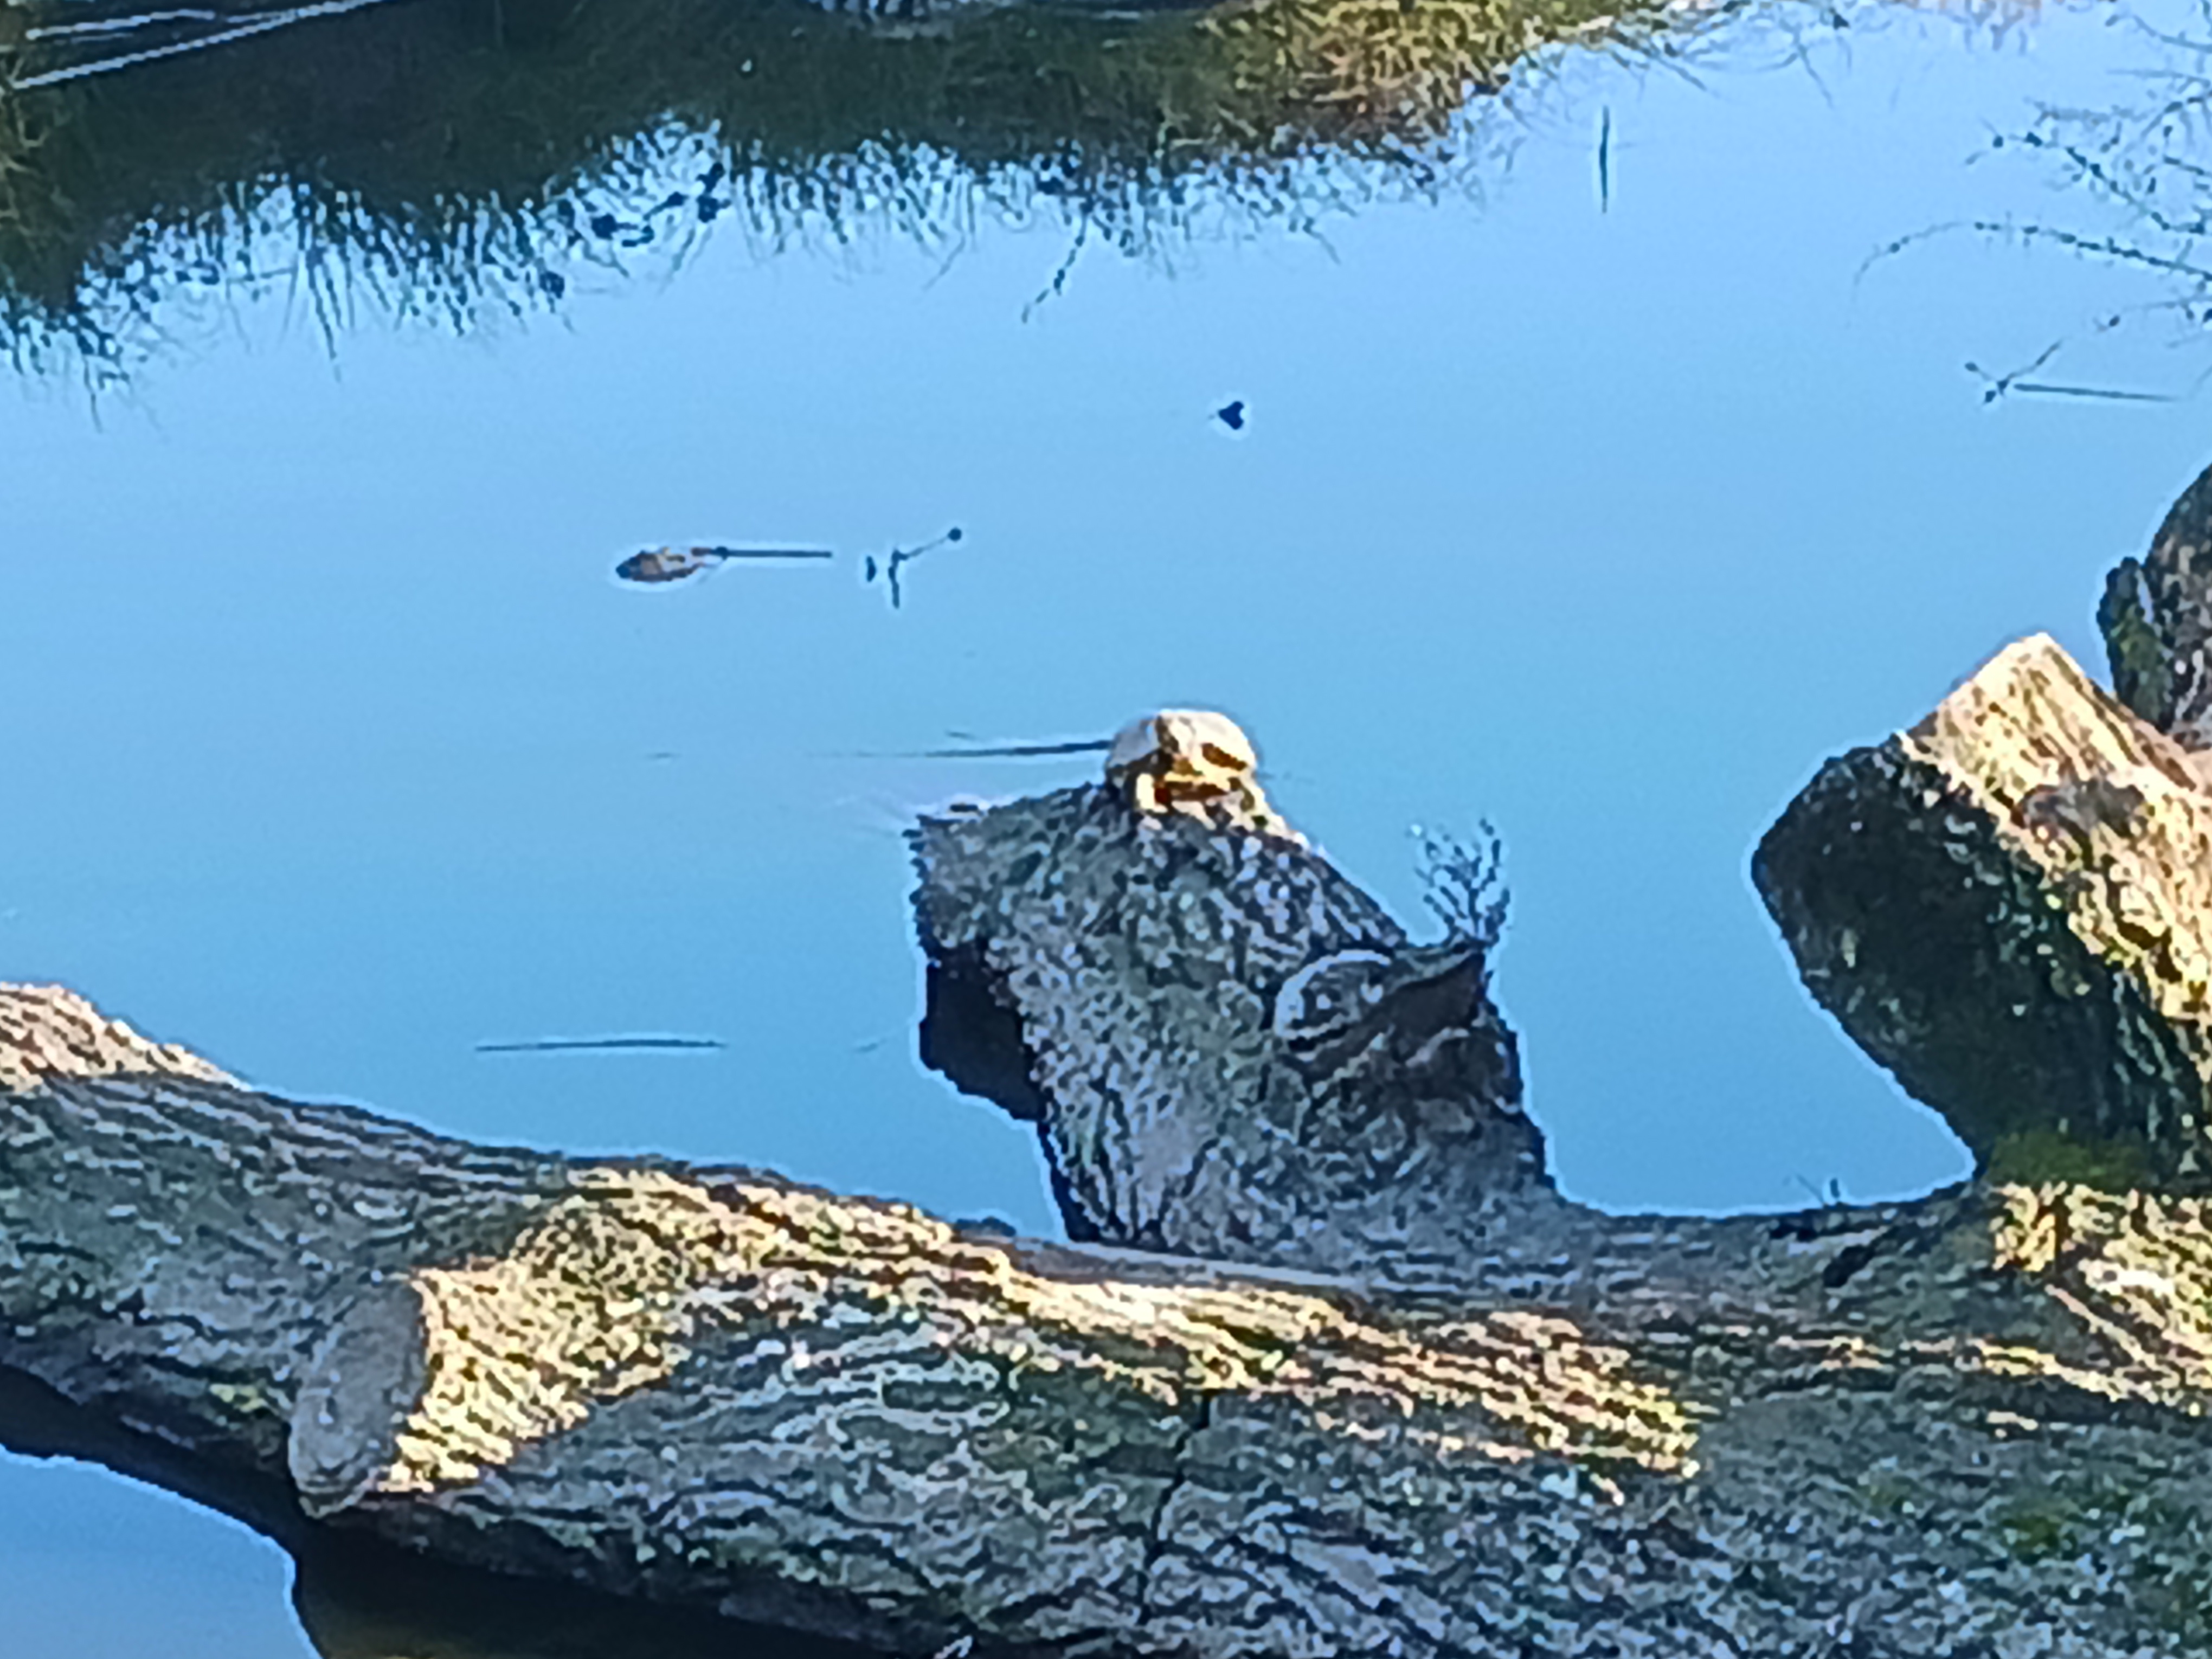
(350, 754)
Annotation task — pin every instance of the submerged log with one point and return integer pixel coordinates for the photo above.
(1972, 1425)
(2010, 905)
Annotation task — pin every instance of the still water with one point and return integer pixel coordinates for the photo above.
(1594, 478)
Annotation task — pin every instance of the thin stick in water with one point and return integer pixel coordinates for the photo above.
(581, 1045)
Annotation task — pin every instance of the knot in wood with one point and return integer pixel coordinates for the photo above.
(361, 1386)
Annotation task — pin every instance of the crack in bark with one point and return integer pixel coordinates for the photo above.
(1156, 1539)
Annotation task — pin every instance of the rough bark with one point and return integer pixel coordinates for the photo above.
(2010, 907)
(1228, 1048)
(1973, 1424)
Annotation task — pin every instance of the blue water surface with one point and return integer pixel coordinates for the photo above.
(338, 750)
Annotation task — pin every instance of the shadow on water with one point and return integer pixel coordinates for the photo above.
(452, 158)
(357, 1602)
(357, 1598)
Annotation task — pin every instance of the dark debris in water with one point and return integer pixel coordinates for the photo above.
(676, 564)
(889, 569)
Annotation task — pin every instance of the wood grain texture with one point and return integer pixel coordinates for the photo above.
(1228, 1049)
(1972, 1424)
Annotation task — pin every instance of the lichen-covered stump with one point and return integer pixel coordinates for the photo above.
(2010, 907)
(1229, 1049)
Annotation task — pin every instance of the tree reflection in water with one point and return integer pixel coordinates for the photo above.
(2143, 168)
(449, 159)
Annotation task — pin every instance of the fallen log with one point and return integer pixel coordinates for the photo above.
(1972, 1424)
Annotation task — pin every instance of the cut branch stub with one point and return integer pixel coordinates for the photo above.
(361, 1387)
(2009, 907)
(1229, 1049)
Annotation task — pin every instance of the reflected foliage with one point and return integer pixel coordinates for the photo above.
(457, 158)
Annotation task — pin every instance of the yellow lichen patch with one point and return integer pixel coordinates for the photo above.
(2107, 807)
(50, 1033)
(609, 1292)
(249, 1399)
(590, 1304)
(2027, 1233)
(2134, 1269)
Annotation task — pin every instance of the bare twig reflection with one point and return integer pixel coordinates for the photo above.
(229, 25)
(2000, 385)
(2146, 161)
(888, 570)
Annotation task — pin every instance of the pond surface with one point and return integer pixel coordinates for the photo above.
(1595, 479)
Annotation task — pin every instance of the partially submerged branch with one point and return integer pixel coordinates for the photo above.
(711, 1389)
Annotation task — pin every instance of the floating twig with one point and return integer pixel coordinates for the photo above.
(889, 568)
(1001, 750)
(615, 1045)
(2112, 394)
(676, 564)
(987, 750)
(1605, 161)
